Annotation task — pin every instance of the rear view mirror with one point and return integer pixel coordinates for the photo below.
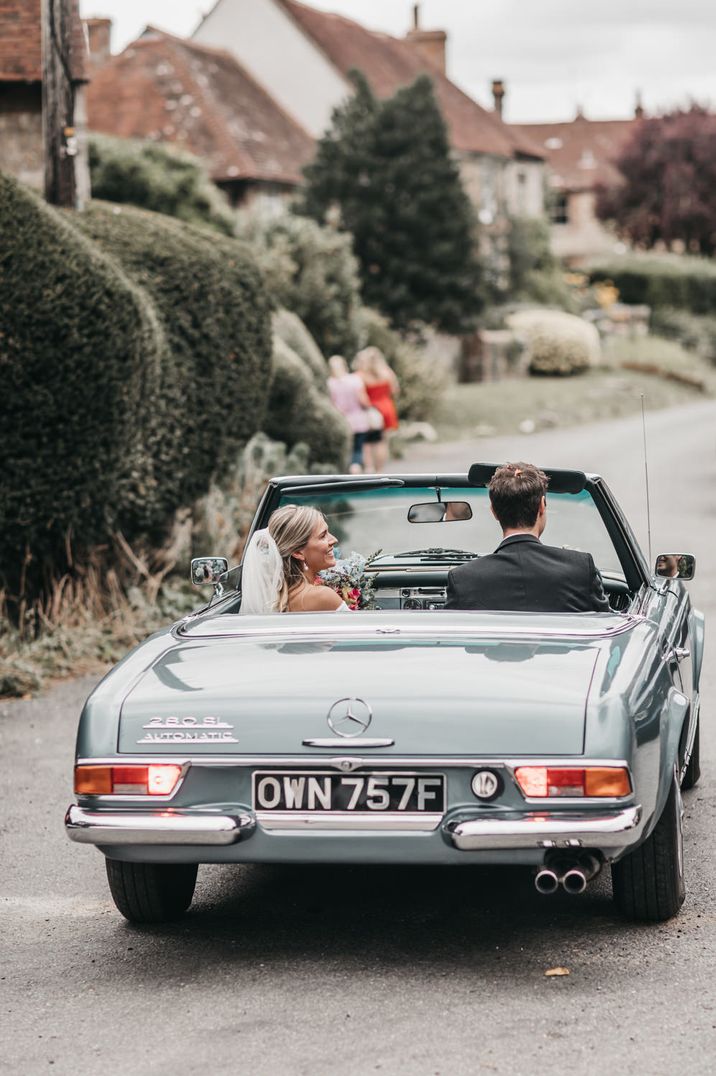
(439, 512)
(207, 570)
(675, 566)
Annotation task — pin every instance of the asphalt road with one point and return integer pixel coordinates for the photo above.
(321, 970)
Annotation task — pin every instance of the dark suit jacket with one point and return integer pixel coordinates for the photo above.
(524, 575)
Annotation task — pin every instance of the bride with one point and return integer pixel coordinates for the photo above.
(282, 561)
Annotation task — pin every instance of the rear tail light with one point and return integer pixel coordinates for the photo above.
(153, 780)
(538, 782)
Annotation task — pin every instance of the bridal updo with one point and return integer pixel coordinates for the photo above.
(291, 528)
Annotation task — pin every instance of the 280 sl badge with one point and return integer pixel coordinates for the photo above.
(187, 730)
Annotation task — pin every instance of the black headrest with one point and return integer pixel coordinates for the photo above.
(559, 481)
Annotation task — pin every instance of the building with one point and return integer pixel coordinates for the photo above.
(302, 57)
(580, 156)
(22, 151)
(164, 88)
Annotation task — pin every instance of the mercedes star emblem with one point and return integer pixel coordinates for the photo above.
(350, 717)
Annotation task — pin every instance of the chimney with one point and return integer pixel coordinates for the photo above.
(498, 95)
(99, 34)
(429, 44)
(638, 107)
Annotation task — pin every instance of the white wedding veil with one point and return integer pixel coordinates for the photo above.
(261, 575)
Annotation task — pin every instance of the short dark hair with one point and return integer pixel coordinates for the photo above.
(516, 491)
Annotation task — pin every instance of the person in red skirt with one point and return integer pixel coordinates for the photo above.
(382, 386)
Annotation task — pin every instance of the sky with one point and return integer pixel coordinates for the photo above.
(555, 56)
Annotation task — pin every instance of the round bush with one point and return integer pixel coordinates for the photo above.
(211, 303)
(297, 412)
(80, 351)
(559, 343)
(292, 331)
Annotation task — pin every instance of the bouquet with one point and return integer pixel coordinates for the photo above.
(351, 581)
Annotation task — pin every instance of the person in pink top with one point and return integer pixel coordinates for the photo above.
(349, 396)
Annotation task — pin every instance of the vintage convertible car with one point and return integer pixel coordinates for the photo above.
(410, 734)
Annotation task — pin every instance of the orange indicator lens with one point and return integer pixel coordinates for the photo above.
(546, 781)
(93, 780)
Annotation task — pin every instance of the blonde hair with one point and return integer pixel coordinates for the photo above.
(291, 528)
(372, 360)
(338, 366)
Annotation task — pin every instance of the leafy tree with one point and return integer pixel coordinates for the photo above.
(669, 189)
(386, 167)
(154, 176)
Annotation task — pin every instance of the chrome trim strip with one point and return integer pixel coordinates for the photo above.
(138, 827)
(408, 630)
(539, 830)
(353, 822)
(417, 762)
(334, 742)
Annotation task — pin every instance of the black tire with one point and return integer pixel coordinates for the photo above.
(648, 884)
(693, 770)
(151, 892)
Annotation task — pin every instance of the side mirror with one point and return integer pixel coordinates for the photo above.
(675, 566)
(439, 512)
(208, 570)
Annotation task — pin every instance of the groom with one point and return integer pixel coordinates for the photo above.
(523, 574)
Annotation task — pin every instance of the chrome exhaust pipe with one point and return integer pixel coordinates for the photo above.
(574, 881)
(546, 881)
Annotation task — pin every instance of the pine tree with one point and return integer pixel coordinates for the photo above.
(388, 168)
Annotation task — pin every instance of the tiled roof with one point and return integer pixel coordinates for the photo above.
(581, 153)
(21, 42)
(171, 90)
(390, 62)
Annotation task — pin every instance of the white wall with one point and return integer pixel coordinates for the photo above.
(279, 56)
(524, 188)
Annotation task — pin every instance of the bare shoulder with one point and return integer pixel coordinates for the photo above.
(320, 598)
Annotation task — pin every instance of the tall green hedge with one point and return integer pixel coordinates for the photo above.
(682, 282)
(212, 306)
(80, 352)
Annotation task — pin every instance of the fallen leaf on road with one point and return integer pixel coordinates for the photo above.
(557, 971)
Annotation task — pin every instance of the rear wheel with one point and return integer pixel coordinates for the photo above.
(151, 892)
(648, 884)
(693, 770)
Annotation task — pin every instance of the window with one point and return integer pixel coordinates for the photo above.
(559, 210)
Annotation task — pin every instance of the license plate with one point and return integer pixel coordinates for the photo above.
(322, 791)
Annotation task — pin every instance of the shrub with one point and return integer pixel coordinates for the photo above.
(297, 411)
(211, 304)
(672, 281)
(155, 176)
(695, 332)
(293, 332)
(535, 274)
(559, 343)
(311, 271)
(421, 381)
(80, 349)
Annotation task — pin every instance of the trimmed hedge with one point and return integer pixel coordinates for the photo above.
(298, 412)
(559, 343)
(212, 306)
(683, 282)
(80, 351)
(293, 332)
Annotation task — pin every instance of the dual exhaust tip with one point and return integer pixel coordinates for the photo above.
(572, 877)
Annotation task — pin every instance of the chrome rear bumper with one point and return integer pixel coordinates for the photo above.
(165, 828)
(498, 831)
(543, 830)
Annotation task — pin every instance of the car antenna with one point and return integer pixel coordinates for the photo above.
(646, 476)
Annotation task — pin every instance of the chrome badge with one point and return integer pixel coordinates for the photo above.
(486, 784)
(187, 730)
(349, 717)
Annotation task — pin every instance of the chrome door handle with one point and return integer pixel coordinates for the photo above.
(677, 653)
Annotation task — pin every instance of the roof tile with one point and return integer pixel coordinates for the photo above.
(581, 153)
(21, 42)
(168, 89)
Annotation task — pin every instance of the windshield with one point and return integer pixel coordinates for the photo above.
(368, 520)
